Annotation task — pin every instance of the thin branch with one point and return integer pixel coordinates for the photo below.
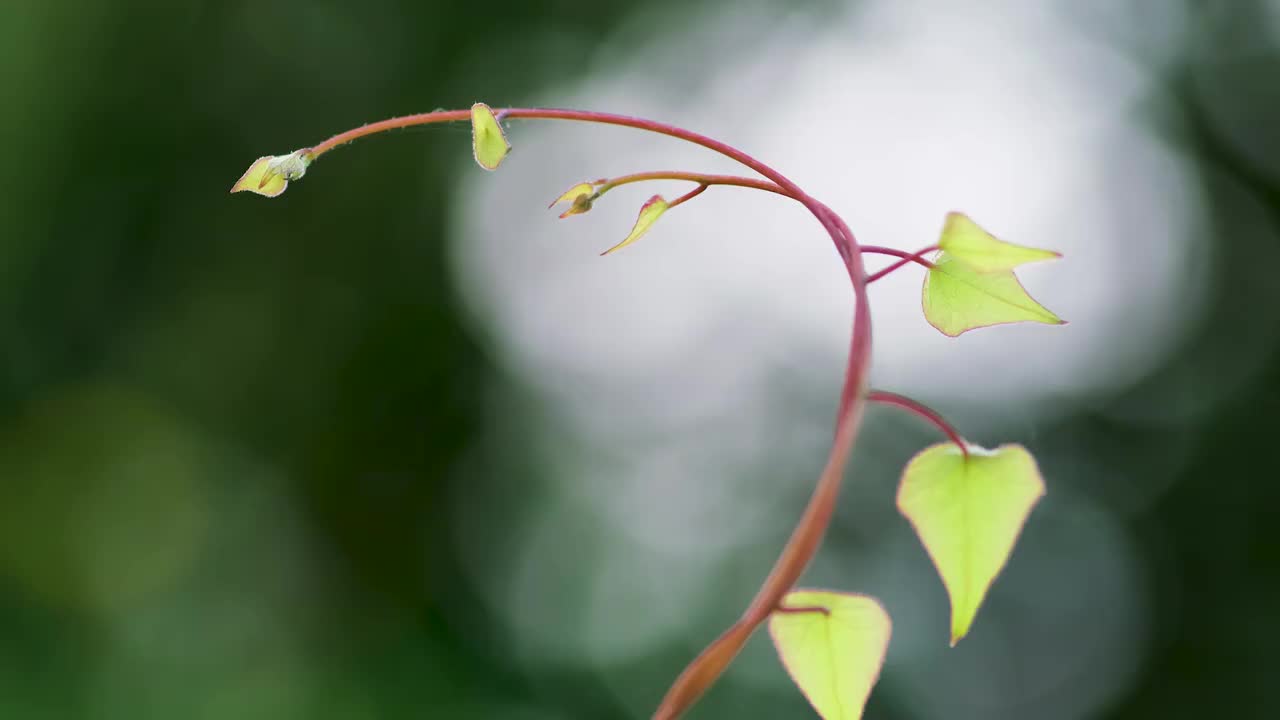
(700, 178)
(922, 410)
(688, 196)
(907, 258)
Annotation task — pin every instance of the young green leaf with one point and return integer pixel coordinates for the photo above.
(488, 141)
(833, 645)
(968, 511)
(579, 197)
(649, 214)
(965, 241)
(957, 298)
(269, 176)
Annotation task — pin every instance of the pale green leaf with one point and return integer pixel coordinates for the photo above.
(488, 142)
(580, 197)
(269, 176)
(968, 512)
(833, 645)
(957, 298)
(964, 240)
(649, 214)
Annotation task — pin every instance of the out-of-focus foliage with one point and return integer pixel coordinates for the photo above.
(249, 450)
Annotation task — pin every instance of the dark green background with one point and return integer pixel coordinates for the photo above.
(232, 431)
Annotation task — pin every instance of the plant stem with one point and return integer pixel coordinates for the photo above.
(688, 196)
(924, 411)
(917, 257)
(807, 536)
(699, 178)
(396, 123)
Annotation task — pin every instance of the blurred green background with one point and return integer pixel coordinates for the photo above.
(296, 459)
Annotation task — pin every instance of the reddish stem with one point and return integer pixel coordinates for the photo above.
(396, 123)
(924, 411)
(700, 178)
(917, 257)
(687, 196)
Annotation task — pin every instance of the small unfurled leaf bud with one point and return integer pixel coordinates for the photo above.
(269, 176)
(649, 214)
(487, 139)
(580, 197)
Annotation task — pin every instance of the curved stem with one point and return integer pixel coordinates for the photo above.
(396, 123)
(808, 534)
(917, 257)
(844, 240)
(688, 196)
(699, 178)
(924, 411)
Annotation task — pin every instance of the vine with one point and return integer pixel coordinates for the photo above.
(966, 504)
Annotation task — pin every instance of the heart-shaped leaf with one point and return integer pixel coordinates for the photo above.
(488, 142)
(964, 240)
(957, 298)
(649, 214)
(833, 645)
(968, 510)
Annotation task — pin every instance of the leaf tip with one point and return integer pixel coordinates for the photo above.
(967, 241)
(960, 627)
(958, 296)
(949, 331)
